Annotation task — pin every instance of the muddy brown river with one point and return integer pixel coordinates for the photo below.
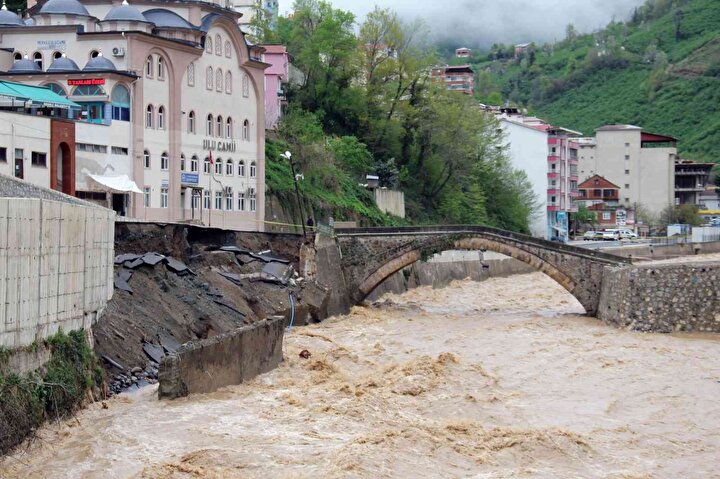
(500, 379)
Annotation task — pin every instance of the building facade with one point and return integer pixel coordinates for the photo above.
(691, 180)
(549, 157)
(276, 75)
(459, 78)
(642, 164)
(171, 96)
(602, 197)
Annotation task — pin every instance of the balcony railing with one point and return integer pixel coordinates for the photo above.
(553, 175)
(553, 191)
(553, 158)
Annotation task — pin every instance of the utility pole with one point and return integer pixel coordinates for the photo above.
(288, 156)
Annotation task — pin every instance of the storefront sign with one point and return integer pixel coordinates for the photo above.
(86, 81)
(189, 178)
(51, 45)
(164, 183)
(215, 145)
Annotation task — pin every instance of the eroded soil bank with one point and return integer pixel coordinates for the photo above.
(501, 379)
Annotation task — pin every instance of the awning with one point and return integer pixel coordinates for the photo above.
(121, 184)
(38, 96)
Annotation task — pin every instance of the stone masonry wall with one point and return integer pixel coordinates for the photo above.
(662, 298)
(231, 358)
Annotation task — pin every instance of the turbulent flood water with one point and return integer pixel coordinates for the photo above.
(500, 379)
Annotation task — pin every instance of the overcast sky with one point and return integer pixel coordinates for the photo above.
(483, 22)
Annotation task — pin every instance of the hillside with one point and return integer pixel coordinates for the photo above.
(660, 69)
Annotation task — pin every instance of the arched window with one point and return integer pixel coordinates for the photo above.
(182, 161)
(209, 83)
(191, 74)
(161, 118)
(94, 53)
(191, 122)
(229, 128)
(206, 165)
(246, 130)
(229, 199)
(253, 199)
(164, 162)
(241, 169)
(38, 59)
(17, 56)
(120, 99)
(218, 45)
(220, 125)
(229, 168)
(228, 49)
(208, 45)
(161, 68)
(219, 166)
(149, 114)
(194, 164)
(241, 201)
(56, 55)
(228, 83)
(209, 126)
(88, 90)
(55, 88)
(253, 170)
(219, 80)
(149, 67)
(245, 86)
(146, 159)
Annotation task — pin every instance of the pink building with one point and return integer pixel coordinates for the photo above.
(275, 75)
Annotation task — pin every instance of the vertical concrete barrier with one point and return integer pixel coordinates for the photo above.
(231, 358)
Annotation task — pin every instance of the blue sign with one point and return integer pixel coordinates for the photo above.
(561, 216)
(189, 178)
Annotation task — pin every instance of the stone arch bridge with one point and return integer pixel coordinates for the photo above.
(371, 255)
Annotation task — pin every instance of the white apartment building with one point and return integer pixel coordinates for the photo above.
(642, 164)
(171, 96)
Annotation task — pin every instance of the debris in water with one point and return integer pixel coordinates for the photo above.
(305, 354)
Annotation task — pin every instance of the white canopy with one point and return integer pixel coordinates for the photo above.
(122, 183)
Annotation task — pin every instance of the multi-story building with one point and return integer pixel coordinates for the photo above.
(602, 197)
(455, 78)
(548, 156)
(641, 163)
(691, 179)
(171, 95)
(463, 52)
(248, 8)
(276, 75)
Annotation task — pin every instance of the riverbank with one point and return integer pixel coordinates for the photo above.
(504, 378)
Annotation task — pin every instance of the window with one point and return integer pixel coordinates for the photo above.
(253, 200)
(38, 59)
(194, 164)
(246, 130)
(552, 200)
(218, 200)
(161, 118)
(206, 165)
(253, 170)
(94, 53)
(209, 82)
(241, 168)
(56, 55)
(218, 45)
(228, 83)
(118, 150)
(209, 126)
(91, 148)
(627, 187)
(120, 99)
(149, 113)
(55, 88)
(229, 197)
(191, 74)
(597, 193)
(627, 157)
(229, 168)
(164, 163)
(163, 197)
(149, 67)
(3, 155)
(182, 162)
(627, 145)
(206, 199)
(161, 68)
(220, 126)
(245, 86)
(208, 45)
(146, 159)
(228, 49)
(627, 200)
(89, 90)
(218, 166)
(606, 215)
(146, 197)
(17, 56)
(191, 122)
(38, 159)
(241, 201)
(229, 128)
(219, 80)
(627, 172)
(195, 199)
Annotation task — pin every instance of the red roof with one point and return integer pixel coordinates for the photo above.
(274, 48)
(602, 183)
(653, 138)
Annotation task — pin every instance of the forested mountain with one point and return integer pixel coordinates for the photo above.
(659, 69)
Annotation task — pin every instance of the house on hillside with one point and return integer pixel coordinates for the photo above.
(276, 75)
(463, 52)
(601, 196)
(460, 78)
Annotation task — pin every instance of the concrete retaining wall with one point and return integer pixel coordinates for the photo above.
(662, 298)
(390, 201)
(231, 358)
(648, 252)
(56, 267)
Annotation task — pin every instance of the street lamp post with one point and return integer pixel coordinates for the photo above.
(288, 156)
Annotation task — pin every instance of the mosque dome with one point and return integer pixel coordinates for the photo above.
(125, 13)
(8, 18)
(25, 65)
(66, 7)
(63, 64)
(99, 63)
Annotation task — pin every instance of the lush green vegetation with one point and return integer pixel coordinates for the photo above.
(367, 105)
(660, 69)
(55, 391)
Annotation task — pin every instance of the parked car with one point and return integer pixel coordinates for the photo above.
(611, 235)
(592, 235)
(627, 234)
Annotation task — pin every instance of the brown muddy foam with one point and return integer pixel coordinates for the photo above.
(498, 379)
